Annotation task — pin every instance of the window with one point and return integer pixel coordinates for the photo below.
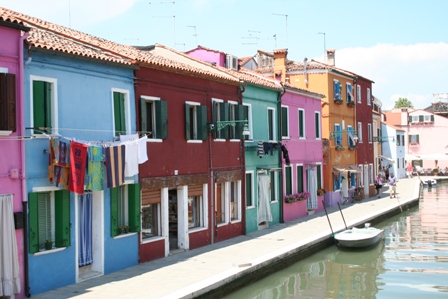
(44, 107)
(237, 113)
(337, 90)
(352, 179)
(288, 180)
(360, 132)
(249, 189)
(247, 115)
(234, 201)
(151, 213)
(154, 117)
(121, 112)
(337, 180)
(7, 102)
(285, 122)
(358, 93)
(368, 96)
(361, 175)
(274, 184)
(398, 140)
(370, 174)
(220, 113)
(195, 121)
(49, 219)
(220, 203)
(337, 134)
(300, 178)
(228, 201)
(429, 118)
(301, 123)
(317, 124)
(349, 91)
(196, 206)
(414, 118)
(369, 132)
(319, 176)
(125, 208)
(414, 139)
(351, 136)
(271, 124)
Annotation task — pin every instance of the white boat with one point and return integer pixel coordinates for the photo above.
(359, 237)
(429, 182)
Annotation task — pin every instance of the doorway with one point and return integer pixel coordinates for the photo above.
(89, 235)
(173, 219)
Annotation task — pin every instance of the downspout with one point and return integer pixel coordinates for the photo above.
(241, 90)
(22, 158)
(279, 109)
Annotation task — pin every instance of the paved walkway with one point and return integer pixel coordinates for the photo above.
(193, 273)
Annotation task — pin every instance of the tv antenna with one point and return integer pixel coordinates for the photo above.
(195, 35)
(173, 16)
(286, 18)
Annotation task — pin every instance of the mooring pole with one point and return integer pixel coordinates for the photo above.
(342, 215)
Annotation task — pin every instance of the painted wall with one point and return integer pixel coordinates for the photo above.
(395, 151)
(306, 151)
(209, 56)
(85, 112)
(10, 150)
(259, 100)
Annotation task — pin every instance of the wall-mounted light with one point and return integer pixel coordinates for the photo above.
(218, 125)
(383, 138)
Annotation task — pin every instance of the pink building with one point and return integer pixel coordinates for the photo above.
(302, 137)
(12, 183)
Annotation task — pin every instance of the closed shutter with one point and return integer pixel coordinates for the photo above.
(319, 176)
(432, 118)
(161, 119)
(62, 218)
(33, 222)
(134, 207)
(151, 197)
(202, 122)
(114, 212)
(337, 89)
(8, 102)
(300, 178)
(41, 106)
(285, 122)
(119, 114)
(409, 118)
(421, 118)
(288, 180)
(301, 123)
(195, 190)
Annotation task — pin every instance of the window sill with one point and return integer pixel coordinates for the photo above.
(5, 133)
(194, 141)
(124, 235)
(196, 229)
(154, 140)
(250, 207)
(152, 239)
(235, 140)
(219, 140)
(235, 221)
(49, 251)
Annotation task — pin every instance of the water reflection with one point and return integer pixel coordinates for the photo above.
(411, 262)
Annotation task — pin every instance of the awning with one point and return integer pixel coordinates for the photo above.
(346, 168)
(386, 158)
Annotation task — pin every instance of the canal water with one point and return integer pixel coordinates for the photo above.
(411, 262)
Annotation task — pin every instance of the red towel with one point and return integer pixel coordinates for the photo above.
(78, 160)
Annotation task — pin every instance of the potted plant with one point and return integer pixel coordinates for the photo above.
(48, 244)
(351, 104)
(338, 101)
(321, 192)
(125, 229)
(352, 147)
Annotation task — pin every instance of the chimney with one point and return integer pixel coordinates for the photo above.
(404, 116)
(330, 57)
(280, 64)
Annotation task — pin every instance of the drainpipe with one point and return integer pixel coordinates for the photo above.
(241, 90)
(279, 109)
(22, 159)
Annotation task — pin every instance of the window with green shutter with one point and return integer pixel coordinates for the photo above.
(301, 123)
(119, 113)
(271, 124)
(299, 178)
(195, 122)
(7, 102)
(317, 124)
(154, 117)
(49, 220)
(273, 176)
(125, 209)
(285, 122)
(319, 176)
(249, 186)
(42, 107)
(288, 180)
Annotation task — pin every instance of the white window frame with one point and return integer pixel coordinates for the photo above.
(54, 104)
(249, 113)
(127, 109)
(347, 85)
(159, 221)
(369, 133)
(292, 178)
(150, 99)
(237, 201)
(274, 127)
(427, 118)
(358, 93)
(370, 174)
(232, 117)
(359, 132)
(369, 97)
(193, 106)
(218, 118)
(301, 124)
(319, 129)
(288, 135)
(361, 175)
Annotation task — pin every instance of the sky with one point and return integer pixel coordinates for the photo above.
(401, 45)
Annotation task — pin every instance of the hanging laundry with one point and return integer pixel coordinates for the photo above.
(285, 155)
(115, 163)
(58, 164)
(142, 150)
(268, 147)
(78, 161)
(95, 163)
(131, 158)
(260, 149)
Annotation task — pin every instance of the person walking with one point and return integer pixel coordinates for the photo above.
(386, 173)
(378, 185)
(410, 170)
(392, 185)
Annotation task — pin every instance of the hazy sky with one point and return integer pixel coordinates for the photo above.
(401, 45)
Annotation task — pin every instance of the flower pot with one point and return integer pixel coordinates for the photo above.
(48, 245)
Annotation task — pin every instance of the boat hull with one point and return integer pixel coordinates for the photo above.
(359, 237)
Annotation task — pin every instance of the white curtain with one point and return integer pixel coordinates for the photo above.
(9, 262)
(85, 230)
(311, 202)
(264, 192)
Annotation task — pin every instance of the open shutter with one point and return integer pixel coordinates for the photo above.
(187, 122)
(239, 115)
(114, 212)
(409, 118)
(38, 105)
(62, 218)
(161, 119)
(421, 118)
(319, 176)
(202, 122)
(134, 207)
(33, 221)
(143, 116)
(432, 118)
(119, 115)
(8, 102)
(224, 116)
(288, 180)
(300, 178)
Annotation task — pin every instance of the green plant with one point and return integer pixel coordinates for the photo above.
(48, 244)
(124, 229)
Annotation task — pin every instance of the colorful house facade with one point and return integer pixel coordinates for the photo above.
(12, 166)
